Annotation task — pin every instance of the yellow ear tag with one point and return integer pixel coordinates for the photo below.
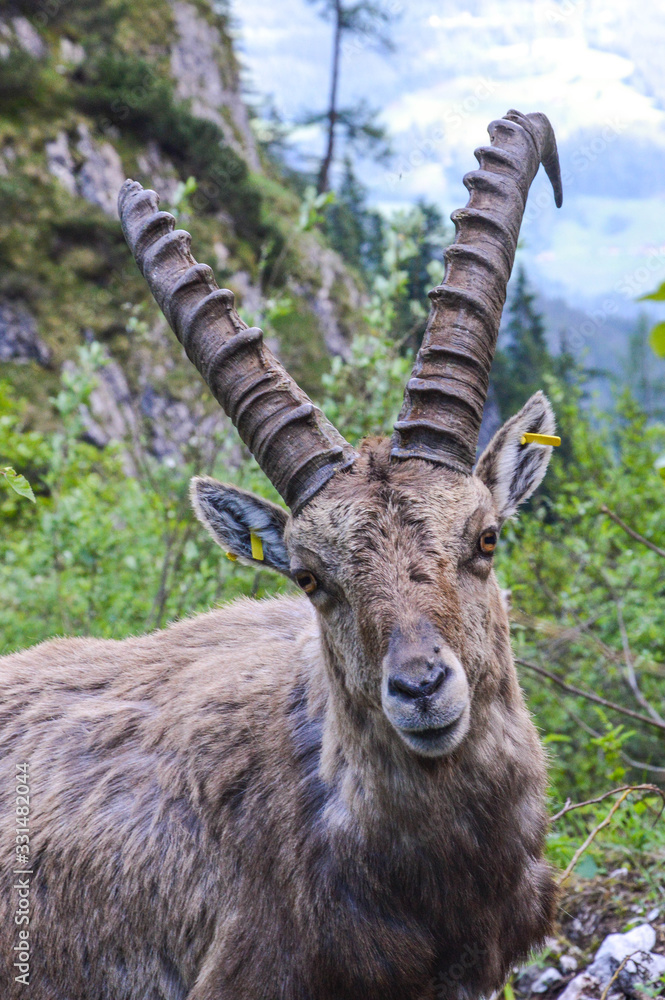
(232, 556)
(550, 439)
(257, 546)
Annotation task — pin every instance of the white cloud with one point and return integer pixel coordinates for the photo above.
(595, 67)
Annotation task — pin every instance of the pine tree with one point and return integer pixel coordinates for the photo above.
(368, 21)
(645, 375)
(523, 358)
(354, 230)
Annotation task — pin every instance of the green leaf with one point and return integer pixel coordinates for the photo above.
(586, 867)
(18, 483)
(657, 339)
(657, 296)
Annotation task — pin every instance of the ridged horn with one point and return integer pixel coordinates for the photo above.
(293, 442)
(445, 396)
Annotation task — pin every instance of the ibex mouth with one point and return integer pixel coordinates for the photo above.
(439, 740)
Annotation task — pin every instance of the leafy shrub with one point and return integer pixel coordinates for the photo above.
(103, 553)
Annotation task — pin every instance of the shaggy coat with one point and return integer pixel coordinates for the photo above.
(222, 810)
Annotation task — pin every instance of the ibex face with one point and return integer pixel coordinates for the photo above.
(392, 544)
(406, 597)
(396, 558)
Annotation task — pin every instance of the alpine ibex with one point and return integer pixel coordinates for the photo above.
(327, 797)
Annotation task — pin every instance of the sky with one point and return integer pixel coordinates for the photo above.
(596, 68)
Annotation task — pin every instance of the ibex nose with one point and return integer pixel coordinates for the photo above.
(411, 686)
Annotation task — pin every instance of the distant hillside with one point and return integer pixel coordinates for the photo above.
(94, 92)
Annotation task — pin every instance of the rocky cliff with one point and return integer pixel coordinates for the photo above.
(94, 92)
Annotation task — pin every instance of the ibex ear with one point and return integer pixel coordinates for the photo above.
(510, 470)
(233, 516)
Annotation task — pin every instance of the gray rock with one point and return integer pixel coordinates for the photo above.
(110, 415)
(641, 966)
(176, 427)
(160, 173)
(249, 295)
(101, 176)
(71, 53)
(547, 978)
(18, 335)
(323, 302)
(60, 162)
(29, 40)
(582, 987)
(527, 977)
(198, 77)
(330, 285)
(568, 964)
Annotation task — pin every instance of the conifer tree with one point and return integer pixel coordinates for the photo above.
(367, 22)
(523, 356)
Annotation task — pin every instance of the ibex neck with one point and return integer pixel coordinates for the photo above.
(377, 781)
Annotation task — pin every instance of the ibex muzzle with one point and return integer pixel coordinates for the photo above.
(425, 692)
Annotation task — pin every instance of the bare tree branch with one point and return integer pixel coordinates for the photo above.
(604, 995)
(606, 822)
(633, 534)
(614, 791)
(590, 696)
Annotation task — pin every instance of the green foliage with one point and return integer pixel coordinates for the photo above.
(634, 837)
(641, 374)
(523, 361)
(364, 18)
(410, 265)
(657, 335)
(364, 394)
(102, 552)
(361, 131)
(657, 339)
(589, 600)
(17, 483)
(19, 80)
(352, 229)
(311, 214)
(181, 204)
(657, 296)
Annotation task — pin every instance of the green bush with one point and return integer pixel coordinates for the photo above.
(103, 553)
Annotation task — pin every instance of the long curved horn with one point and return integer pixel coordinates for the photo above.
(293, 442)
(445, 396)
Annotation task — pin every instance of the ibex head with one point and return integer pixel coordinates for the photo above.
(393, 544)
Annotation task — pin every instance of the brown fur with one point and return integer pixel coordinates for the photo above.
(222, 811)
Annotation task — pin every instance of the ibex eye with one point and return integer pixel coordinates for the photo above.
(307, 582)
(487, 542)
